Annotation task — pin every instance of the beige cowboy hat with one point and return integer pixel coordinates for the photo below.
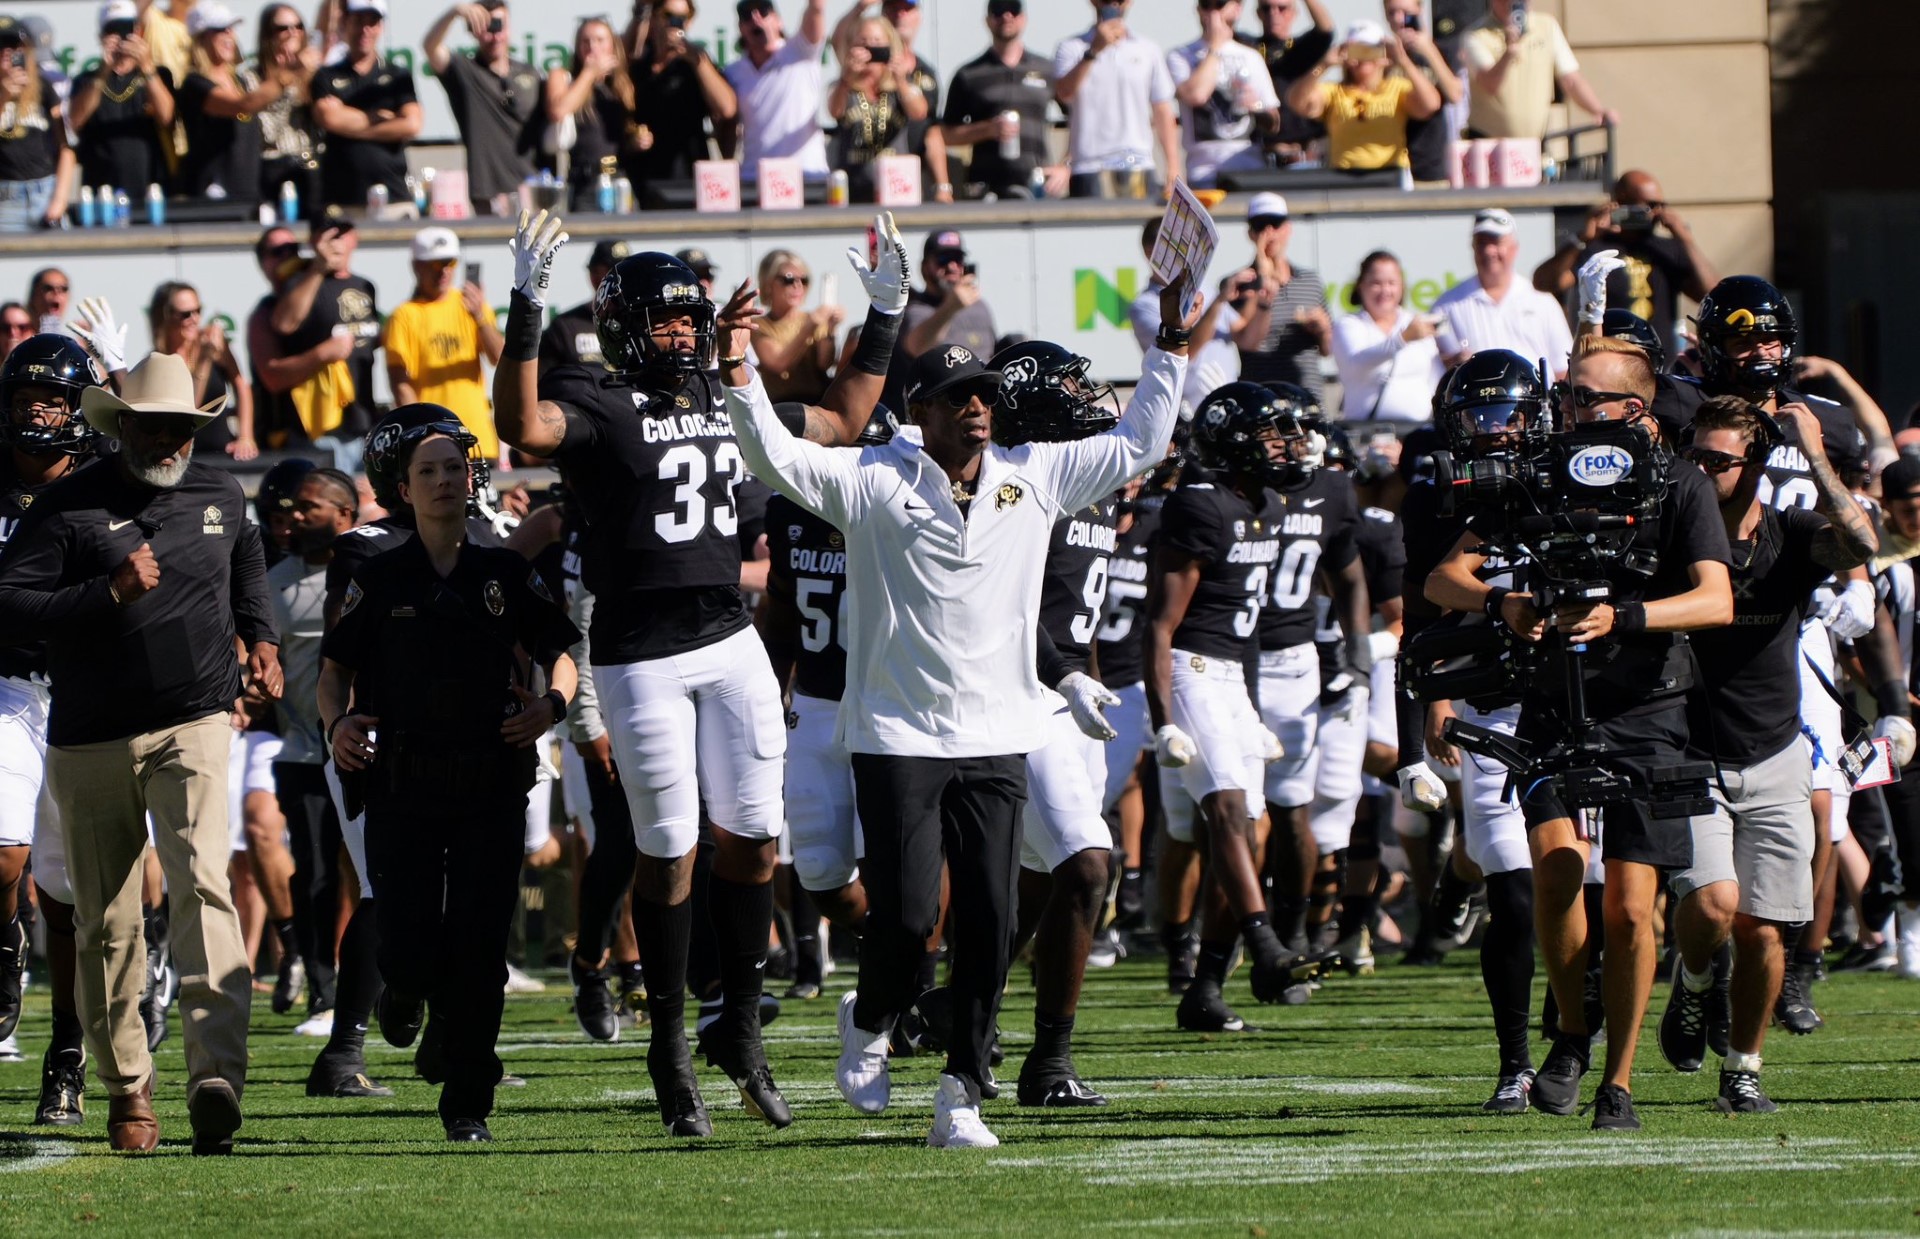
(160, 384)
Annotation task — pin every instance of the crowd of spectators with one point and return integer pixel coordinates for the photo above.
(178, 101)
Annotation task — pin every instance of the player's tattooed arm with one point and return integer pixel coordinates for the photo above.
(1849, 539)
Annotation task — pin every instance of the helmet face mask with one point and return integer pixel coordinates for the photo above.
(1046, 396)
(643, 308)
(1259, 435)
(1494, 402)
(41, 370)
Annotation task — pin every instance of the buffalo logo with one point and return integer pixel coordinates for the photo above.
(958, 356)
(1599, 466)
(836, 539)
(1007, 496)
(355, 306)
(211, 521)
(352, 600)
(1018, 371)
(384, 440)
(1198, 663)
(794, 532)
(681, 399)
(608, 294)
(26, 501)
(495, 598)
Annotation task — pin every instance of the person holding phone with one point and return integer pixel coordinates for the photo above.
(120, 110)
(873, 102)
(1119, 97)
(436, 338)
(498, 101)
(677, 90)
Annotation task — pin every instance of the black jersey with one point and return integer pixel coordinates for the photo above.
(1120, 643)
(363, 542)
(1383, 557)
(1074, 590)
(1238, 543)
(23, 659)
(809, 567)
(1790, 482)
(1317, 526)
(654, 473)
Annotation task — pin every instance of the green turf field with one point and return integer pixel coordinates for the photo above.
(1357, 1115)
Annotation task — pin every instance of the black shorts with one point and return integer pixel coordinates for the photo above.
(1628, 831)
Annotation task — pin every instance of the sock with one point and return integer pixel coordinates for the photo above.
(1290, 921)
(67, 1033)
(1506, 965)
(1723, 965)
(1741, 1062)
(807, 964)
(356, 984)
(1790, 936)
(632, 978)
(1358, 912)
(1696, 982)
(1450, 895)
(741, 914)
(1052, 1038)
(1262, 944)
(289, 943)
(925, 972)
(1214, 958)
(1175, 937)
(664, 932)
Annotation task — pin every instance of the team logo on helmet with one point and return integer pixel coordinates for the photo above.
(1018, 371)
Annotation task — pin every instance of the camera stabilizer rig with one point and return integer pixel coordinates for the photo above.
(1574, 509)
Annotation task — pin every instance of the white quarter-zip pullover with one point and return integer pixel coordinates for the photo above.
(942, 609)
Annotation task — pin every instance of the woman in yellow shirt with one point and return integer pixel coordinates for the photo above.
(1367, 111)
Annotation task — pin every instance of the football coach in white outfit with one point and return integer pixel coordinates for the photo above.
(946, 545)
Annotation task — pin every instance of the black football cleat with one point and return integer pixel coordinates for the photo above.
(399, 1019)
(676, 1090)
(13, 974)
(341, 1076)
(1203, 1010)
(593, 1002)
(1054, 1085)
(744, 1061)
(63, 1081)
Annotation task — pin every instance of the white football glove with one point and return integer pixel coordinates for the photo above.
(1086, 698)
(1849, 616)
(1593, 285)
(1173, 747)
(1900, 731)
(1271, 749)
(1352, 704)
(1420, 787)
(887, 281)
(107, 339)
(534, 245)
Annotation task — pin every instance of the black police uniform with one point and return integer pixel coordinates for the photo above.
(1636, 683)
(1120, 645)
(433, 659)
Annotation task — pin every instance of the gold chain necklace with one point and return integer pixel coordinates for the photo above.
(138, 80)
(962, 492)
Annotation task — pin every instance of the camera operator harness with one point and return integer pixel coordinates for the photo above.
(1578, 510)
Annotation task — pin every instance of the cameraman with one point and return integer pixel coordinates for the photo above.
(1635, 690)
(1751, 874)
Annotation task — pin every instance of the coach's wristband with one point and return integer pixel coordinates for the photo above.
(1496, 597)
(1630, 617)
(524, 324)
(878, 335)
(332, 727)
(1169, 338)
(1891, 697)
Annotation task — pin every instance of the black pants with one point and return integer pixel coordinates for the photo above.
(447, 869)
(609, 868)
(1903, 820)
(915, 812)
(314, 828)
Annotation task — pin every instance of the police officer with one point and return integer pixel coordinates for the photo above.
(436, 641)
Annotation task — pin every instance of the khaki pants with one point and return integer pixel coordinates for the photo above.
(104, 792)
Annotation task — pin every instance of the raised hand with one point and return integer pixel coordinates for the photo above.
(534, 245)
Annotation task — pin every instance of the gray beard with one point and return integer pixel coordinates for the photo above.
(160, 477)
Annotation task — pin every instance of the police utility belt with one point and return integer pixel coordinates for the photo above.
(400, 768)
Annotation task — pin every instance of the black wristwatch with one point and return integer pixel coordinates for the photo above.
(559, 704)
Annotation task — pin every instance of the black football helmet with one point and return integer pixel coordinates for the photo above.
(1743, 305)
(637, 297)
(1492, 393)
(1233, 425)
(388, 445)
(56, 362)
(278, 487)
(1339, 452)
(1628, 326)
(879, 429)
(1046, 396)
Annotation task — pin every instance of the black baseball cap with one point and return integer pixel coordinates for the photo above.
(997, 7)
(746, 7)
(946, 245)
(606, 253)
(333, 219)
(1901, 478)
(702, 264)
(12, 33)
(944, 368)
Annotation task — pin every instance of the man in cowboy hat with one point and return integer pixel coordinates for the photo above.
(143, 576)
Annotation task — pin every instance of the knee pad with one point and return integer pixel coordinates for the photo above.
(823, 868)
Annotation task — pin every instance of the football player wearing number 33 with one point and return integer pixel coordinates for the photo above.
(689, 697)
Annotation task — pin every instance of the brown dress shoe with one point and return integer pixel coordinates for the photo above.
(131, 1127)
(214, 1109)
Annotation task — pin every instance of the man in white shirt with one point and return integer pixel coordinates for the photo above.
(1493, 310)
(1515, 60)
(780, 88)
(1119, 101)
(946, 545)
(1226, 96)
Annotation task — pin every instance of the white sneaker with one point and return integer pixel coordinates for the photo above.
(320, 1025)
(862, 1071)
(10, 1050)
(1909, 966)
(519, 982)
(956, 1119)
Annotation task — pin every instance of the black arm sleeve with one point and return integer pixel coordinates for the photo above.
(1051, 665)
(33, 602)
(252, 602)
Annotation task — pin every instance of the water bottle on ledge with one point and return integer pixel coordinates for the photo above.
(156, 206)
(122, 208)
(89, 209)
(606, 194)
(289, 202)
